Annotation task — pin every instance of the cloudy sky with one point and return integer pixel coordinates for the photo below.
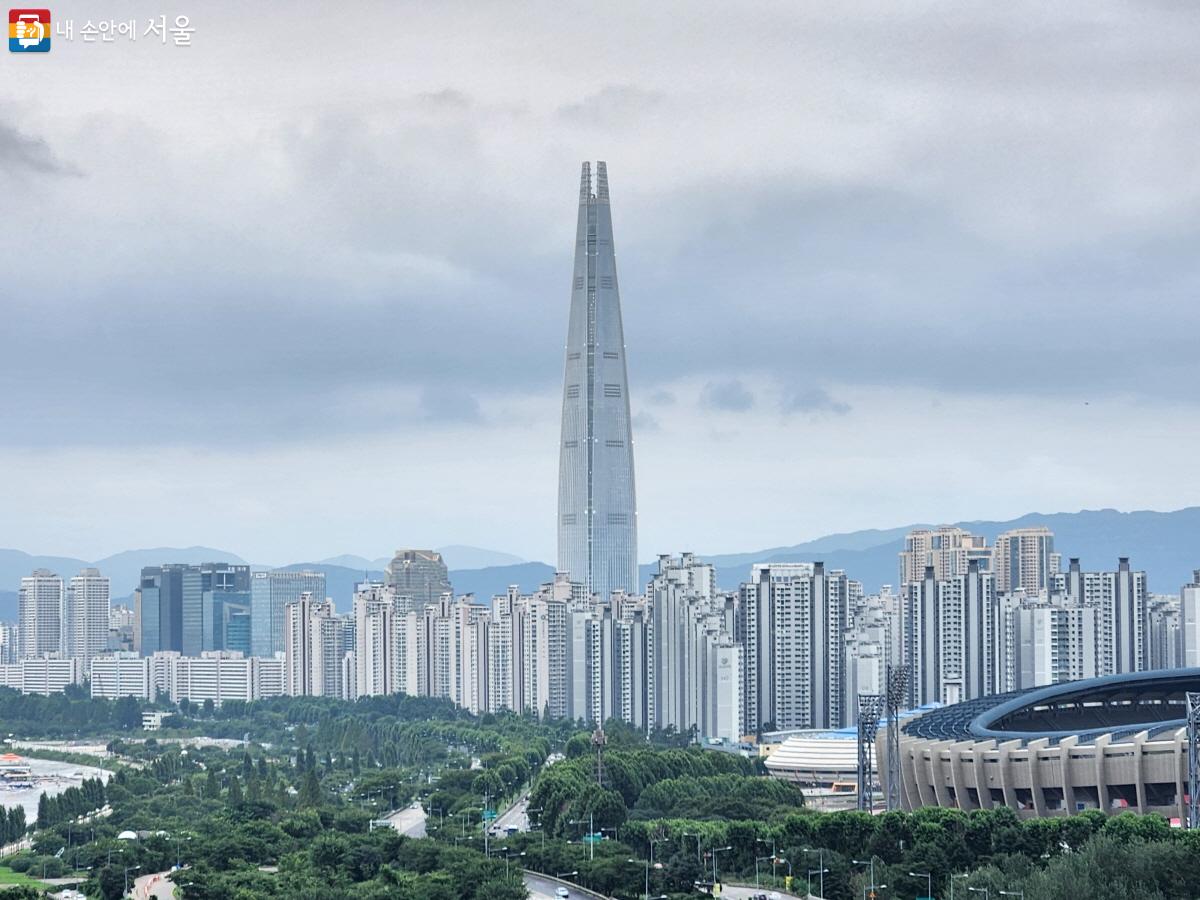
(301, 288)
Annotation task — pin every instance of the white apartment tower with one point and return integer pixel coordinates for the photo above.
(791, 620)
(312, 648)
(85, 616)
(39, 613)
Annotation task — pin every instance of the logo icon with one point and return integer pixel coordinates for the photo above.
(29, 30)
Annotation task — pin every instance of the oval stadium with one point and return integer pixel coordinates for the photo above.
(1113, 743)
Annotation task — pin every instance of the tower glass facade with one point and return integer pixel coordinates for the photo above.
(597, 511)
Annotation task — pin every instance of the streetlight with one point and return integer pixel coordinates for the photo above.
(715, 851)
(928, 881)
(757, 860)
(129, 869)
(507, 858)
(983, 891)
(952, 877)
(868, 862)
(591, 837)
(774, 852)
(697, 837)
(820, 864)
(820, 872)
(1020, 894)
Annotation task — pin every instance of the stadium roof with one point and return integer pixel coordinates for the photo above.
(1118, 705)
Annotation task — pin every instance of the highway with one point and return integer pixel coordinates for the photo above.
(543, 888)
(516, 816)
(409, 821)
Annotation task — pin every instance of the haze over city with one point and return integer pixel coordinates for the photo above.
(877, 267)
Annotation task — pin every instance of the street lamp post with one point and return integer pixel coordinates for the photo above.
(715, 851)
(129, 869)
(868, 862)
(697, 837)
(591, 841)
(1020, 894)
(507, 858)
(820, 851)
(952, 877)
(820, 872)
(773, 855)
(928, 876)
(976, 890)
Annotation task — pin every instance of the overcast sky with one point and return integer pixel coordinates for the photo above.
(301, 288)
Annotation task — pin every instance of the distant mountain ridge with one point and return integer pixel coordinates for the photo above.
(1165, 544)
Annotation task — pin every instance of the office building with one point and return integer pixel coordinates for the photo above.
(420, 575)
(270, 593)
(597, 509)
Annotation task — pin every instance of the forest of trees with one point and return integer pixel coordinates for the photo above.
(289, 815)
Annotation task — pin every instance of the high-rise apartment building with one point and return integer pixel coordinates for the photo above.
(948, 548)
(692, 652)
(39, 613)
(1189, 620)
(270, 593)
(1120, 599)
(597, 509)
(790, 622)
(420, 575)
(85, 616)
(314, 650)
(949, 636)
(1052, 642)
(1024, 559)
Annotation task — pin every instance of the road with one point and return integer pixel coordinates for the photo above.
(543, 888)
(155, 886)
(738, 892)
(409, 821)
(516, 816)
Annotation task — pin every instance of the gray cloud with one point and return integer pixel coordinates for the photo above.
(985, 216)
(729, 396)
(449, 405)
(645, 422)
(22, 153)
(813, 400)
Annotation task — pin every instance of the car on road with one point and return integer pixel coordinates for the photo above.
(562, 892)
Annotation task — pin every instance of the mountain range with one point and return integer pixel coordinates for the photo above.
(1165, 544)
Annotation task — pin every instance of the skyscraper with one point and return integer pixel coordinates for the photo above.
(597, 512)
(270, 594)
(85, 616)
(420, 575)
(39, 606)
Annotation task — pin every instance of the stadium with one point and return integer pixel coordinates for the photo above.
(1113, 743)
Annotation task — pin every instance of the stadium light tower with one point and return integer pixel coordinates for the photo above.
(1193, 739)
(897, 688)
(869, 708)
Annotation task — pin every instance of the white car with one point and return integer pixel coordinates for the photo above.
(562, 892)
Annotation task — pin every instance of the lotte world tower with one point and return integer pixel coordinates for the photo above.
(597, 511)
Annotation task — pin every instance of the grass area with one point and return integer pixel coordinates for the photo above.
(8, 876)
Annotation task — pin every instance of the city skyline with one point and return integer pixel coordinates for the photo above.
(828, 242)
